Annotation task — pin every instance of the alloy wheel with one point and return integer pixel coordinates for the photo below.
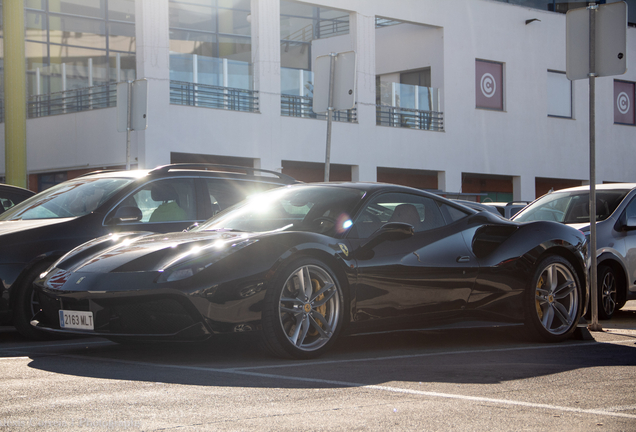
(309, 307)
(557, 298)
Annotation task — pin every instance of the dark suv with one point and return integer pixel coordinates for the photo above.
(38, 231)
(12, 195)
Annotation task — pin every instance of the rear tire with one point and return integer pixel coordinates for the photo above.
(27, 305)
(553, 301)
(303, 310)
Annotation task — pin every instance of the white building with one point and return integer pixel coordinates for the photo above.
(455, 95)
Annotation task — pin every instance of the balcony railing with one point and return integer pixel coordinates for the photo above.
(70, 101)
(409, 118)
(208, 96)
(301, 106)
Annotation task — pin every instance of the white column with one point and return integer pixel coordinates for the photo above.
(362, 30)
(90, 72)
(265, 20)
(449, 181)
(523, 188)
(364, 173)
(153, 63)
(195, 68)
(63, 76)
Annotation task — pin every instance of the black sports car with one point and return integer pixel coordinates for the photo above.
(304, 263)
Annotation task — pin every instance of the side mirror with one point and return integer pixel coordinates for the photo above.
(127, 214)
(630, 225)
(391, 231)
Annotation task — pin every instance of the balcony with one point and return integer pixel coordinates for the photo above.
(301, 106)
(210, 82)
(209, 96)
(409, 106)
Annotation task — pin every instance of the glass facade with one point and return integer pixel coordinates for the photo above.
(71, 44)
(300, 24)
(210, 42)
(563, 6)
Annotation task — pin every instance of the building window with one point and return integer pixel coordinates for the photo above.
(489, 88)
(211, 43)
(421, 78)
(73, 44)
(300, 25)
(624, 97)
(559, 95)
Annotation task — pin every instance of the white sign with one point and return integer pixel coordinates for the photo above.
(344, 85)
(139, 105)
(610, 47)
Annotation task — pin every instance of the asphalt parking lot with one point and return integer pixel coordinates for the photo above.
(445, 380)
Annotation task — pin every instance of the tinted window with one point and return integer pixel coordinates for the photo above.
(72, 198)
(571, 207)
(165, 200)
(420, 212)
(320, 209)
(225, 193)
(630, 211)
(452, 214)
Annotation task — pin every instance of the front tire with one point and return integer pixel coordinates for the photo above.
(553, 302)
(607, 292)
(27, 305)
(303, 310)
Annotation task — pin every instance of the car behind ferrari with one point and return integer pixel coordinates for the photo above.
(306, 263)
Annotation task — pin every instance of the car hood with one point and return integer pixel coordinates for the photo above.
(15, 226)
(154, 252)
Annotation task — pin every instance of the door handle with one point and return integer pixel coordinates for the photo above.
(463, 259)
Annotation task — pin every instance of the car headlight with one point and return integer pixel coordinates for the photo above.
(197, 260)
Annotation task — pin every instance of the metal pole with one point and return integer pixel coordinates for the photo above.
(330, 113)
(129, 127)
(592, 76)
(15, 94)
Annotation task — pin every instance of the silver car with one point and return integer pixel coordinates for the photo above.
(615, 234)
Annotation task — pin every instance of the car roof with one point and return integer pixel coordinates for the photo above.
(604, 186)
(372, 187)
(208, 170)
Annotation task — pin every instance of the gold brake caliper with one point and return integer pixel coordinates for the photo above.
(322, 310)
(540, 285)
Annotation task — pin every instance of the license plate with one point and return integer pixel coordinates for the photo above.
(76, 320)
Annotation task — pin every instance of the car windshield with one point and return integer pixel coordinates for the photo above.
(72, 198)
(571, 207)
(320, 209)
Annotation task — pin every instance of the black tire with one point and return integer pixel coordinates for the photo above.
(553, 301)
(295, 326)
(27, 305)
(607, 288)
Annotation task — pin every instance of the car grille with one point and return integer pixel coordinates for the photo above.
(162, 316)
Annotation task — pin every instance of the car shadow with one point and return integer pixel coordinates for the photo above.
(488, 356)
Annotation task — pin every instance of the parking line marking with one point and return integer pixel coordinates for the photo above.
(360, 385)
